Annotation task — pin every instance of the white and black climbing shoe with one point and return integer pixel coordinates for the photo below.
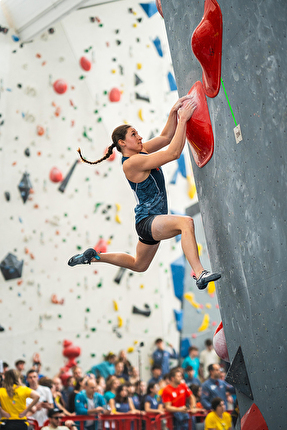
(84, 258)
(205, 277)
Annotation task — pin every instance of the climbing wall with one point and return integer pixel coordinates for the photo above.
(56, 95)
(242, 187)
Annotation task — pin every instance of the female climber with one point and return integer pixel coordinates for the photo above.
(142, 167)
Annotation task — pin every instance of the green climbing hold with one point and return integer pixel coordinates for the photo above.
(110, 322)
(105, 92)
(78, 335)
(101, 25)
(93, 355)
(99, 119)
(87, 336)
(99, 284)
(88, 310)
(59, 316)
(78, 297)
(64, 240)
(96, 111)
(156, 306)
(82, 77)
(65, 214)
(87, 179)
(93, 329)
(74, 228)
(79, 247)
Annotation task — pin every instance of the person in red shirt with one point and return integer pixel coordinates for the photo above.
(178, 399)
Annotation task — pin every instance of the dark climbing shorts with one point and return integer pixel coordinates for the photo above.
(143, 229)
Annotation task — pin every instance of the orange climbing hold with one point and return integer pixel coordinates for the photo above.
(206, 43)
(199, 129)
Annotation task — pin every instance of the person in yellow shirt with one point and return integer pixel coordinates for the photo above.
(13, 397)
(218, 419)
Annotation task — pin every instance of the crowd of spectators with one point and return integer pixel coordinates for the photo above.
(114, 387)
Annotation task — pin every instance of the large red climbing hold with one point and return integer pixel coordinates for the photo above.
(219, 343)
(206, 43)
(85, 64)
(253, 419)
(60, 86)
(199, 129)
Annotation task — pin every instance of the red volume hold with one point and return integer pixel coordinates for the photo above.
(199, 129)
(253, 419)
(206, 43)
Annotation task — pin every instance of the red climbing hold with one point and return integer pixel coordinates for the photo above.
(253, 419)
(206, 43)
(111, 157)
(55, 175)
(85, 64)
(219, 343)
(159, 8)
(199, 129)
(115, 95)
(60, 86)
(101, 246)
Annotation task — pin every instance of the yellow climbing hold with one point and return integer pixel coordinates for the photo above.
(190, 298)
(205, 323)
(118, 208)
(116, 306)
(114, 71)
(208, 305)
(136, 342)
(139, 66)
(140, 114)
(130, 349)
(211, 288)
(191, 187)
(141, 286)
(120, 321)
(199, 248)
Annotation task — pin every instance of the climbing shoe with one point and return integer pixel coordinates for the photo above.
(205, 277)
(84, 258)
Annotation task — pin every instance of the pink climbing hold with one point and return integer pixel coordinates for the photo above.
(159, 8)
(111, 157)
(55, 175)
(219, 343)
(115, 95)
(206, 43)
(60, 86)
(101, 246)
(85, 64)
(199, 129)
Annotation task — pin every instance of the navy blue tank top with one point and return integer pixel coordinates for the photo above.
(150, 194)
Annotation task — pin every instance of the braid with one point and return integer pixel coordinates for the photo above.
(107, 155)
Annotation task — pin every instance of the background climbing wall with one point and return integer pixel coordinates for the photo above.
(41, 129)
(242, 189)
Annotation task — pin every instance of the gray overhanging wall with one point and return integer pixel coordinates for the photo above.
(242, 190)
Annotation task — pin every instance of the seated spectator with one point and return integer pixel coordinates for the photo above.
(122, 403)
(77, 372)
(140, 392)
(80, 385)
(101, 384)
(163, 383)
(190, 378)
(151, 403)
(119, 372)
(111, 387)
(197, 392)
(106, 368)
(215, 387)
(156, 374)
(40, 411)
(127, 364)
(55, 416)
(13, 397)
(89, 402)
(178, 400)
(192, 360)
(134, 375)
(58, 387)
(218, 419)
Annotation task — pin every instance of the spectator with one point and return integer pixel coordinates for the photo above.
(162, 357)
(215, 387)
(197, 392)
(40, 411)
(119, 372)
(127, 364)
(101, 384)
(57, 392)
(13, 401)
(37, 367)
(112, 385)
(189, 377)
(192, 360)
(20, 367)
(5, 367)
(89, 402)
(77, 372)
(207, 356)
(68, 389)
(178, 400)
(122, 403)
(156, 374)
(134, 375)
(80, 385)
(218, 419)
(163, 383)
(140, 392)
(151, 404)
(55, 416)
(106, 368)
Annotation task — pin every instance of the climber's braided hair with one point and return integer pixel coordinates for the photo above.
(119, 133)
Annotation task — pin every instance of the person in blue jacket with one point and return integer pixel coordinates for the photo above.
(215, 387)
(161, 357)
(89, 402)
(106, 367)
